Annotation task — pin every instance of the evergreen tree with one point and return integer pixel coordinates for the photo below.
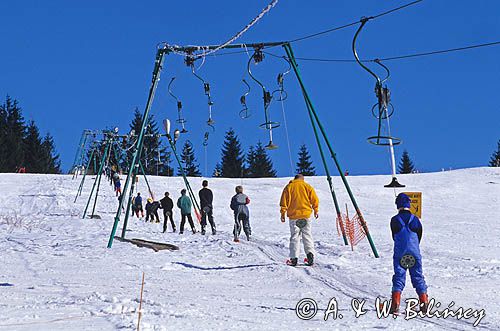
(495, 157)
(154, 157)
(217, 171)
(50, 163)
(262, 166)
(3, 137)
(406, 165)
(304, 165)
(191, 168)
(250, 160)
(34, 155)
(232, 156)
(165, 165)
(22, 146)
(12, 152)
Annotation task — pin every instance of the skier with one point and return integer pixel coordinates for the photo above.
(167, 205)
(112, 175)
(206, 199)
(239, 204)
(118, 186)
(152, 210)
(184, 204)
(406, 231)
(138, 205)
(298, 201)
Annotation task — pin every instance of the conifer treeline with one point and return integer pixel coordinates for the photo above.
(22, 148)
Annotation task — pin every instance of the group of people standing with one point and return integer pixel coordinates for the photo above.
(238, 204)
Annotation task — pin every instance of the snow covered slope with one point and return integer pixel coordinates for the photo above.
(57, 274)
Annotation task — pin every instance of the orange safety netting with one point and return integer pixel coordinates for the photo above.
(353, 228)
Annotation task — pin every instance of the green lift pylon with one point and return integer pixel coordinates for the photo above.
(314, 117)
(138, 147)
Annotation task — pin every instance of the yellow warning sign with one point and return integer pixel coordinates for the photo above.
(416, 203)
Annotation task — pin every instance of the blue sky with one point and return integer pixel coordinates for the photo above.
(87, 65)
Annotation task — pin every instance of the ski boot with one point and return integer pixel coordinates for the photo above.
(309, 260)
(214, 232)
(203, 230)
(292, 262)
(424, 302)
(248, 237)
(236, 240)
(396, 299)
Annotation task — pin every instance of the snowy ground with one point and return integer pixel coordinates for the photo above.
(57, 274)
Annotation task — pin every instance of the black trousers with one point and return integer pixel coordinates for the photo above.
(166, 215)
(183, 221)
(153, 216)
(206, 212)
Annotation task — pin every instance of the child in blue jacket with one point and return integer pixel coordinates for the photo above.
(406, 231)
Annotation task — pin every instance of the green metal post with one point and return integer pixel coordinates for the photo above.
(96, 194)
(79, 192)
(137, 153)
(291, 57)
(183, 173)
(129, 203)
(146, 179)
(79, 152)
(103, 160)
(328, 177)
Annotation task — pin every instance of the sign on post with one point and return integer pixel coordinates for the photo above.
(416, 203)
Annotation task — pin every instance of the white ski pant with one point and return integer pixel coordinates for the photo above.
(295, 234)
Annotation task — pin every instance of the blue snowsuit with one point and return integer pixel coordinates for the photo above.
(407, 231)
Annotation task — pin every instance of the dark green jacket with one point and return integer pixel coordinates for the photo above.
(184, 203)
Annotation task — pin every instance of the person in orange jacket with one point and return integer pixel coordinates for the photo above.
(298, 201)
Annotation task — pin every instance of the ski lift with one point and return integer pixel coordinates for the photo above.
(280, 79)
(269, 125)
(206, 89)
(382, 110)
(244, 113)
(180, 119)
(205, 139)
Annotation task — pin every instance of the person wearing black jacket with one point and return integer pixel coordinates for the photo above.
(167, 205)
(206, 199)
(152, 210)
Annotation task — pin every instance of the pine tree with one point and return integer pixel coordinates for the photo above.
(154, 157)
(22, 146)
(232, 156)
(495, 157)
(191, 168)
(3, 138)
(304, 165)
(34, 155)
(217, 171)
(165, 165)
(12, 152)
(50, 162)
(406, 165)
(262, 166)
(250, 160)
